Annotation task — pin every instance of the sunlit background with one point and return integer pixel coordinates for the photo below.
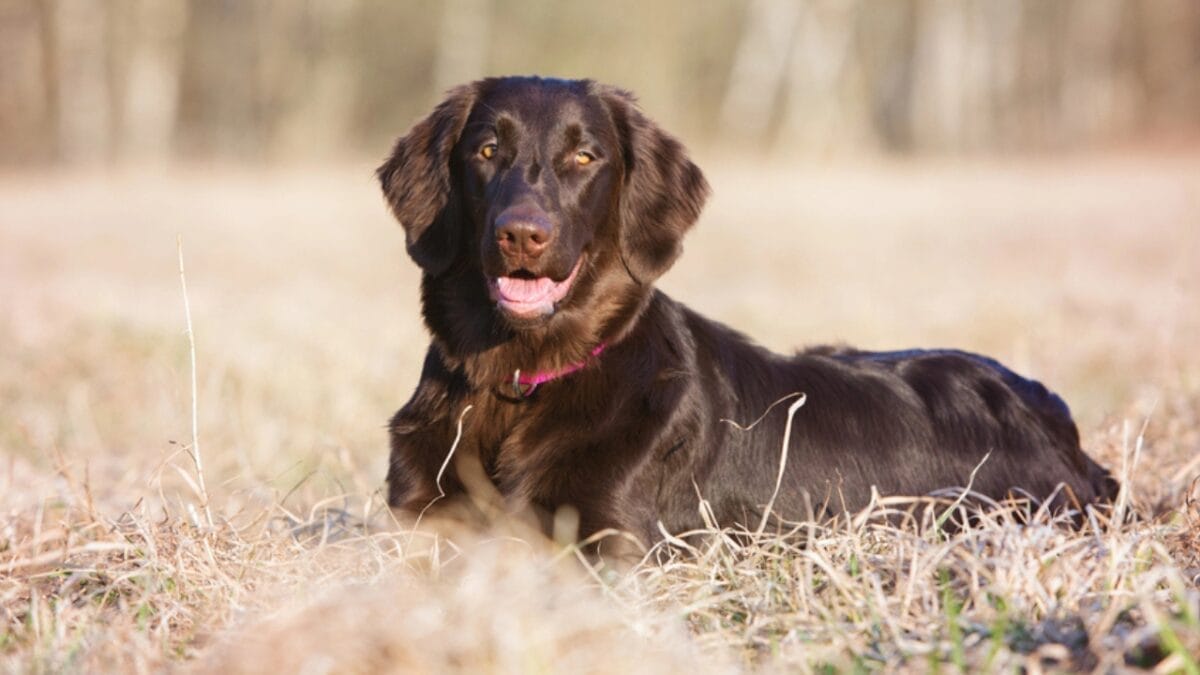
(85, 81)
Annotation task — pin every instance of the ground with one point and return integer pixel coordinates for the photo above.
(114, 554)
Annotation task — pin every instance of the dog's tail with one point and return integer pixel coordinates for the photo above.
(1102, 480)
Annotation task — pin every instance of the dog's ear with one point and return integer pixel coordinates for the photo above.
(417, 184)
(662, 194)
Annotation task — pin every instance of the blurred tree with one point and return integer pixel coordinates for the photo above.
(84, 107)
(463, 39)
(152, 59)
(759, 68)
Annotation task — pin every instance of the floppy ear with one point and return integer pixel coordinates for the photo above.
(416, 182)
(662, 194)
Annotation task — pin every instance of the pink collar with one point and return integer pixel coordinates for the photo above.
(525, 384)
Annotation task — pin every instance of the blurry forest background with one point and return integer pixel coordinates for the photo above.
(98, 81)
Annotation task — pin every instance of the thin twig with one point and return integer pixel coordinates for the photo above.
(763, 416)
(55, 557)
(445, 463)
(783, 455)
(195, 450)
(941, 520)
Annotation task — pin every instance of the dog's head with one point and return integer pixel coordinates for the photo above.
(536, 186)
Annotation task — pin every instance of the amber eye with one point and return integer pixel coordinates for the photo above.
(488, 151)
(583, 158)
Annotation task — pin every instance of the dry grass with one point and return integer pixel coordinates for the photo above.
(1084, 274)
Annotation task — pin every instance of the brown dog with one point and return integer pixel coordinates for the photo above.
(541, 212)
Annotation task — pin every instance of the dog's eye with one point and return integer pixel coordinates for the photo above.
(488, 151)
(583, 158)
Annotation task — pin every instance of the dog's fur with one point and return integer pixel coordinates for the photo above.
(639, 435)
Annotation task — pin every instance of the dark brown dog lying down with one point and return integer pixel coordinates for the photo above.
(541, 212)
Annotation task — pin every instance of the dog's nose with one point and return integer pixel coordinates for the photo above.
(523, 234)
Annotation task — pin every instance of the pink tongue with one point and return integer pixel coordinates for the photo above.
(527, 296)
(524, 290)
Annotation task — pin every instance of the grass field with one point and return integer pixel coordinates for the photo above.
(114, 555)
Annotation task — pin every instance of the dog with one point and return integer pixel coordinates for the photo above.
(541, 211)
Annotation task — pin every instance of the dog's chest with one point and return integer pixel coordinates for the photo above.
(520, 450)
(551, 451)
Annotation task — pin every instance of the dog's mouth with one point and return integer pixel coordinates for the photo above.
(524, 295)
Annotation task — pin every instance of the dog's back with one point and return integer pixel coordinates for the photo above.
(1051, 415)
(897, 423)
